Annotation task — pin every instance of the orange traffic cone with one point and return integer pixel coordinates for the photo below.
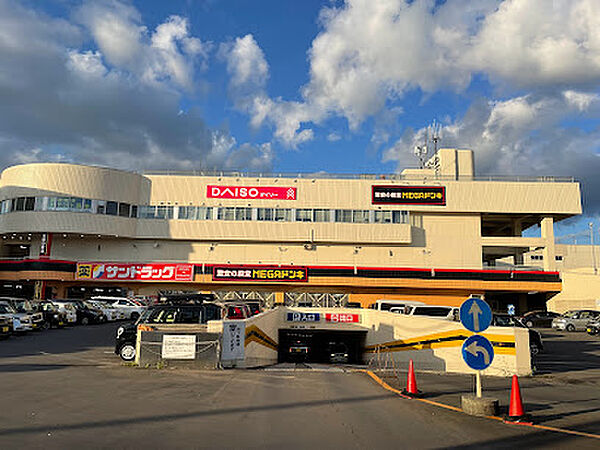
(516, 413)
(411, 382)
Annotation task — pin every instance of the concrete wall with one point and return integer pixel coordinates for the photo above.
(433, 344)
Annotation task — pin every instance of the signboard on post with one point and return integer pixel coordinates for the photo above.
(179, 346)
(477, 350)
(234, 336)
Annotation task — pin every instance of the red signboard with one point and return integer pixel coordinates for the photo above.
(135, 272)
(342, 318)
(251, 192)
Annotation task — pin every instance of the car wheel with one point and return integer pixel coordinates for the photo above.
(127, 352)
(570, 327)
(529, 324)
(85, 321)
(46, 325)
(134, 315)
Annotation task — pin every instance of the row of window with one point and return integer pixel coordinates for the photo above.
(76, 204)
(541, 257)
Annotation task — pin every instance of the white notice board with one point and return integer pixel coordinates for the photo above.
(179, 346)
(234, 335)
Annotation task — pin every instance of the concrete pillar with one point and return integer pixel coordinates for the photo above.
(549, 252)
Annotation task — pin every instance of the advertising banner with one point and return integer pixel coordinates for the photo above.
(260, 273)
(234, 336)
(409, 195)
(135, 272)
(250, 192)
(182, 346)
(342, 318)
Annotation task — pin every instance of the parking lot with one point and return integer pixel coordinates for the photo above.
(64, 388)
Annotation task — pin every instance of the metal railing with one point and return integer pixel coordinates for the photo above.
(358, 176)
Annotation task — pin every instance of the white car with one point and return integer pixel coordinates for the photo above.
(68, 309)
(131, 309)
(111, 313)
(20, 324)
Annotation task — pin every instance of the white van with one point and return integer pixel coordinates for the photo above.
(434, 311)
(397, 305)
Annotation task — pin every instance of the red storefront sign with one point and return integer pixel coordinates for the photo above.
(342, 318)
(135, 272)
(246, 192)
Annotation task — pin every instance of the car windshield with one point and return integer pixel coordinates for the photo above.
(6, 309)
(49, 307)
(144, 316)
(570, 314)
(24, 306)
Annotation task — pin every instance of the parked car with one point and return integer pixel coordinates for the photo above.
(433, 311)
(575, 320)
(535, 338)
(53, 317)
(539, 319)
(254, 308)
(110, 312)
(593, 327)
(130, 308)
(6, 327)
(84, 314)
(68, 309)
(387, 305)
(27, 314)
(237, 311)
(19, 326)
(163, 315)
(338, 353)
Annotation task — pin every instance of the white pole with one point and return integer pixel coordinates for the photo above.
(591, 225)
(478, 381)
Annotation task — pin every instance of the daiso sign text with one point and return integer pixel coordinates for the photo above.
(246, 192)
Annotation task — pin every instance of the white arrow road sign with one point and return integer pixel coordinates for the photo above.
(474, 349)
(475, 311)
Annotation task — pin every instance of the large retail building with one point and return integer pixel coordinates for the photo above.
(435, 235)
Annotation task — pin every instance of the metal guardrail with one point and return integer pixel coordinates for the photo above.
(357, 176)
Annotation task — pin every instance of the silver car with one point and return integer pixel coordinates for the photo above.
(575, 320)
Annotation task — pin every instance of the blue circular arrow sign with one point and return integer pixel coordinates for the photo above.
(475, 314)
(477, 352)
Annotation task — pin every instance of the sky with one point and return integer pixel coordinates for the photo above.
(304, 86)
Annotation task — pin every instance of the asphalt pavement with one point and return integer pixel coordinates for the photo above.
(65, 388)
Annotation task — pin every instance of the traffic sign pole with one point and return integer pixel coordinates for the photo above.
(478, 383)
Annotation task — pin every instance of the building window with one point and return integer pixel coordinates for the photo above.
(101, 208)
(226, 214)
(112, 208)
(537, 257)
(164, 212)
(243, 213)
(265, 214)
(558, 258)
(360, 216)
(124, 209)
(187, 213)
(63, 203)
(283, 215)
(382, 217)
(321, 215)
(343, 215)
(29, 203)
(147, 212)
(205, 213)
(134, 211)
(20, 204)
(400, 216)
(303, 215)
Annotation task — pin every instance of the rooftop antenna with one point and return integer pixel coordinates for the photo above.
(420, 151)
(434, 130)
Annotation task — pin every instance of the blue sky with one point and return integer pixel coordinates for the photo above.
(302, 86)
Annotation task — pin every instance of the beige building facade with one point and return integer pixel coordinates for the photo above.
(431, 235)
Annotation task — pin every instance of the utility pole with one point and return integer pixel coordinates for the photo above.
(591, 225)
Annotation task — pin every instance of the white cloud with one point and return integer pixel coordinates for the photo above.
(167, 54)
(370, 53)
(111, 105)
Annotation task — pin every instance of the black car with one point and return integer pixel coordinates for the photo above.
(53, 318)
(539, 319)
(535, 338)
(6, 327)
(163, 315)
(593, 327)
(85, 314)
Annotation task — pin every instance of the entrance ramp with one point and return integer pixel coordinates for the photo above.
(433, 344)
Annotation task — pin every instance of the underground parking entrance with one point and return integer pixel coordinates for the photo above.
(321, 346)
